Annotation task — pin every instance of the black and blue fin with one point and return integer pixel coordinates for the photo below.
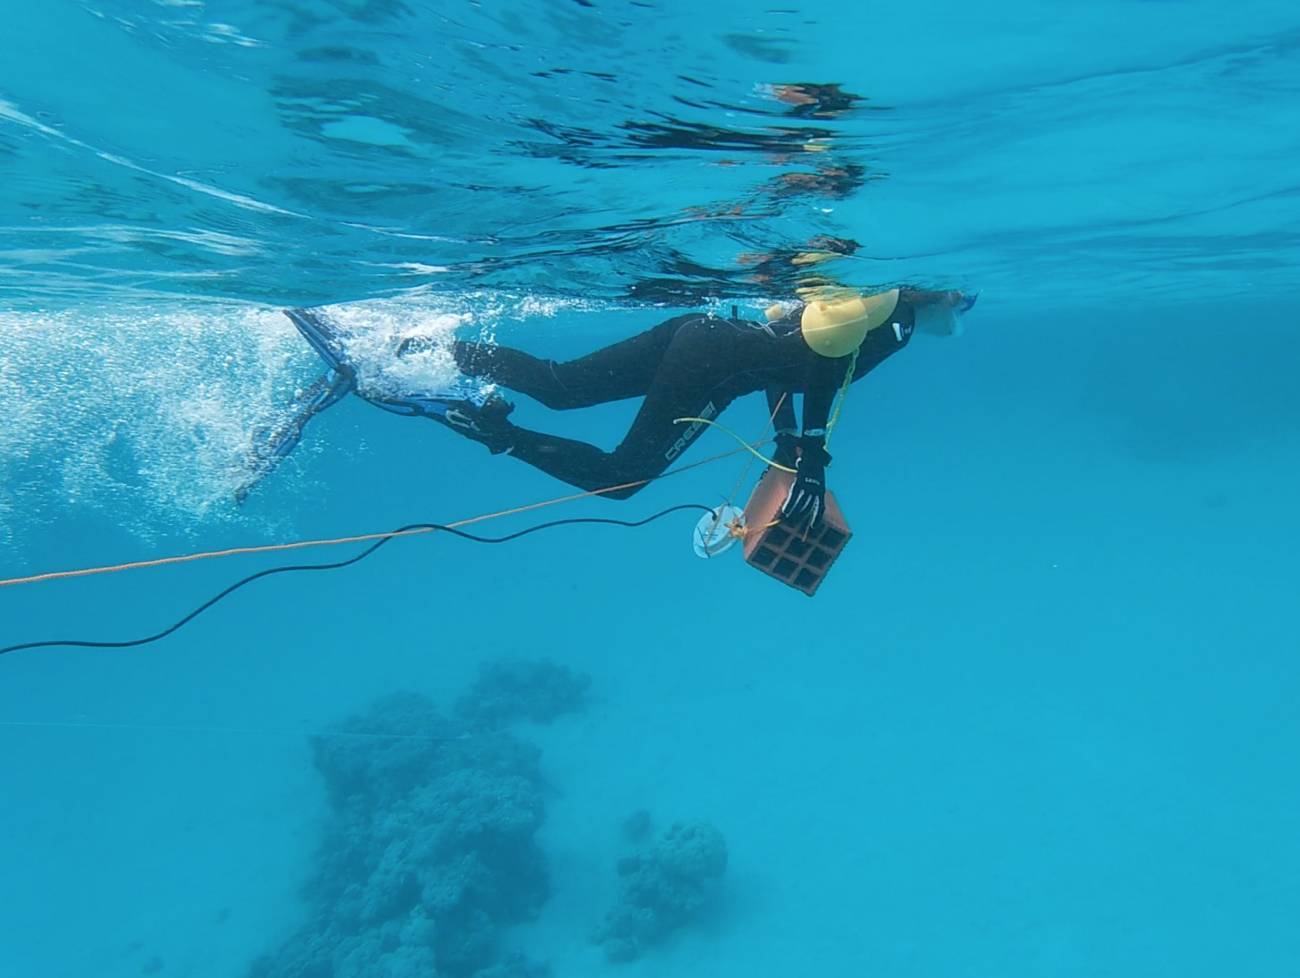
(323, 336)
(273, 444)
(326, 339)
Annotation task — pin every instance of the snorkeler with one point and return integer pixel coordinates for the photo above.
(690, 366)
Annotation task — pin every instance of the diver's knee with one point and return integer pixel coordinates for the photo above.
(562, 395)
(629, 478)
(559, 399)
(626, 490)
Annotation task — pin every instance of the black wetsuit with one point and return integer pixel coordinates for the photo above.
(688, 366)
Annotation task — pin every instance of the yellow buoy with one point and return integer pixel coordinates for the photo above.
(835, 326)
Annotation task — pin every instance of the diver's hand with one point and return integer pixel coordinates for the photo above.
(806, 503)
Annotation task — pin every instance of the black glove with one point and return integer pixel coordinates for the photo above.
(806, 503)
(785, 454)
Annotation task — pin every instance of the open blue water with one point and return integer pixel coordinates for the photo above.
(1042, 718)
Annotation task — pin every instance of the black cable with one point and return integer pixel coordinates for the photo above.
(346, 563)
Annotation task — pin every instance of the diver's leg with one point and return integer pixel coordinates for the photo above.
(614, 373)
(691, 382)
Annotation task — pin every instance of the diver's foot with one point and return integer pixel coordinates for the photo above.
(486, 422)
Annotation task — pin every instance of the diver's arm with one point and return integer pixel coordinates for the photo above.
(805, 503)
(825, 376)
(780, 408)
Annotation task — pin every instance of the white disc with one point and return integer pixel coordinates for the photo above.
(713, 534)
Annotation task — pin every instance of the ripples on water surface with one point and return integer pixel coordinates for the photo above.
(280, 152)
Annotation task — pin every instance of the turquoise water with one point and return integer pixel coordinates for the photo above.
(1040, 720)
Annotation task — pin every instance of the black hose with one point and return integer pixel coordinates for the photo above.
(346, 563)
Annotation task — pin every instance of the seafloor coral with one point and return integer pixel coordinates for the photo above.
(663, 889)
(429, 851)
(523, 689)
(637, 826)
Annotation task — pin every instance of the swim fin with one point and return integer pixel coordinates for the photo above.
(464, 407)
(272, 445)
(322, 335)
(466, 410)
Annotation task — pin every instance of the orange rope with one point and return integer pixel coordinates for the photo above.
(360, 538)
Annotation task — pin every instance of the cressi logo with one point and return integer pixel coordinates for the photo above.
(686, 437)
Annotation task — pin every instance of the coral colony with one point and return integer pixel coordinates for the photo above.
(429, 852)
(663, 889)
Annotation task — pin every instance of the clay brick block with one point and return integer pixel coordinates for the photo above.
(780, 551)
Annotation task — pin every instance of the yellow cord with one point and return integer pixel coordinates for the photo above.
(748, 447)
(843, 394)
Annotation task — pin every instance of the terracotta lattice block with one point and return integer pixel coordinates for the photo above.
(788, 554)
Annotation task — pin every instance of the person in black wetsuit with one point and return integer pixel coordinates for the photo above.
(693, 366)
